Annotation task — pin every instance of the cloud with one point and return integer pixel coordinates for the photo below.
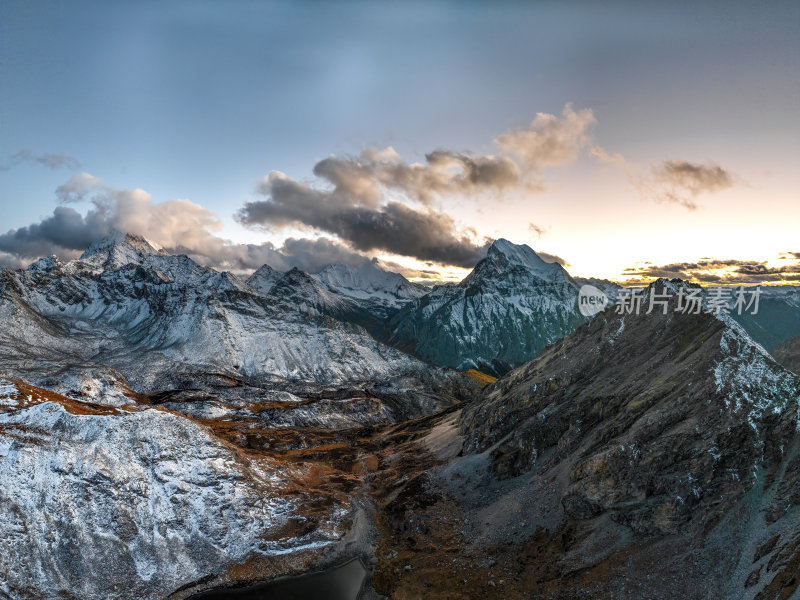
(77, 187)
(178, 225)
(694, 177)
(717, 271)
(465, 173)
(312, 255)
(553, 258)
(10, 261)
(539, 231)
(395, 227)
(424, 276)
(603, 156)
(63, 231)
(373, 202)
(366, 178)
(51, 161)
(548, 140)
(376, 201)
(681, 182)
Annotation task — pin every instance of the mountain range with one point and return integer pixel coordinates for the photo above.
(123, 302)
(167, 429)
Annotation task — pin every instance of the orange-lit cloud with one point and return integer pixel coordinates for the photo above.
(548, 140)
(717, 271)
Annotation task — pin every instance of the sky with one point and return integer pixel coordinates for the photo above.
(627, 140)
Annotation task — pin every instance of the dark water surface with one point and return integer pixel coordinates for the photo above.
(339, 583)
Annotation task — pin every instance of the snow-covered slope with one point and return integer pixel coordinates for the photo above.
(126, 305)
(510, 307)
(303, 292)
(379, 291)
(130, 504)
(119, 249)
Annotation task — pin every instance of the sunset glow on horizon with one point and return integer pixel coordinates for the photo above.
(627, 141)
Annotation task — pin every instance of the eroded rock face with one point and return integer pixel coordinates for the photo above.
(620, 384)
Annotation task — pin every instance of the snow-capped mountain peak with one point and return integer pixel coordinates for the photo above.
(119, 249)
(367, 279)
(45, 264)
(298, 288)
(504, 256)
(517, 253)
(512, 295)
(264, 279)
(370, 286)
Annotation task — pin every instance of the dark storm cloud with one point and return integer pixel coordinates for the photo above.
(681, 182)
(66, 229)
(423, 233)
(400, 229)
(51, 161)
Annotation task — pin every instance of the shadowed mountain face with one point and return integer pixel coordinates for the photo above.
(510, 307)
(778, 317)
(788, 354)
(651, 456)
